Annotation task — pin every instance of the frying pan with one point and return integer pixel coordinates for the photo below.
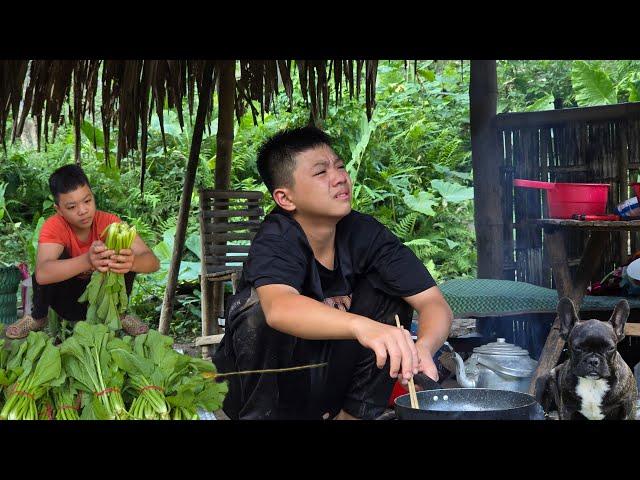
(466, 403)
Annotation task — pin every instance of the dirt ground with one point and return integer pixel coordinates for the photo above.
(188, 349)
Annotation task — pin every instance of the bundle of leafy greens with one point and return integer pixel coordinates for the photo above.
(7, 377)
(95, 375)
(86, 360)
(149, 364)
(37, 366)
(45, 407)
(66, 401)
(193, 391)
(168, 384)
(106, 292)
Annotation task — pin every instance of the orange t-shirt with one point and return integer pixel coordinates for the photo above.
(57, 230)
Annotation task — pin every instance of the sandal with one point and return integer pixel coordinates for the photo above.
(22, 327)
(133, 326)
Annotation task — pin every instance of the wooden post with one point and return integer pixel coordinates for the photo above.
(623, 194)
(483, 95)
(589, 263)
(224, 150)
(185, 199)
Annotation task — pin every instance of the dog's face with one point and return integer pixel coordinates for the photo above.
(592, 343)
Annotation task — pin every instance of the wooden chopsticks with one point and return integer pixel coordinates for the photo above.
(412, 388)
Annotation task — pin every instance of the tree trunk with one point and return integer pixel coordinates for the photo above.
(185, 200)
(224, 138)
(483, 95)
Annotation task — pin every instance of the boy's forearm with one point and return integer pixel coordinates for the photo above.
(145, 262)
(56, 271)
(304, 317)
(434, 325)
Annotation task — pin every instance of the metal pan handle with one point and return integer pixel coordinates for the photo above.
(426, 383)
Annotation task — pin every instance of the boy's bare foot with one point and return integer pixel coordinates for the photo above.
(133, 326)
(26, 324)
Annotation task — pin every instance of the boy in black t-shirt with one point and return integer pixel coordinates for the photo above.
(323, 283)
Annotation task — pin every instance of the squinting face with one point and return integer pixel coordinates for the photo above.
(322, 187)
(77, 207)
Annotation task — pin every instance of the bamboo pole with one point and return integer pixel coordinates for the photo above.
(185, 200)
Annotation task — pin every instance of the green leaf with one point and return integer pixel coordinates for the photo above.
(48, 368)
(448, 172)
(431, 266)
(592, 85)
(544, 103)
(163, 252)
(212, 396)
(189, 271)
(90, 132)
(33, 245)
(131, 363)
(418, 242)
(357, 151)
(451, 243)
(427, 74)
(3, 187)
(421, 203)
(193, 244)
(633, 86)
(404, 228)
(452, 192)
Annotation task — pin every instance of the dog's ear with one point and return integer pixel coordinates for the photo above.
(619, 318)
(568, 316)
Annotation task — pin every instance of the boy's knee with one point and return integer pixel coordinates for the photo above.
(373, 303)
(255, 319)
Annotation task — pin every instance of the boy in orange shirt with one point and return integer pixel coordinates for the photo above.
(70, 249)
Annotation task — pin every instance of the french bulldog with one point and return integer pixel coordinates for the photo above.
(595, 383)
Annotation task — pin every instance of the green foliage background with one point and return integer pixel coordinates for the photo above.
(411, 166)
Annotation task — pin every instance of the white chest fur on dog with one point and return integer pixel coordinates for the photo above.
(591, 391)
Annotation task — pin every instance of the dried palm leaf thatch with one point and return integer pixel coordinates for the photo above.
(259, 82)
(131, 89)
(12, 74)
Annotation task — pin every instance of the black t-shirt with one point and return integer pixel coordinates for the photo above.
(280, 254)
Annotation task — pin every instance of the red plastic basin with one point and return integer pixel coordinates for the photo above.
(567, 199)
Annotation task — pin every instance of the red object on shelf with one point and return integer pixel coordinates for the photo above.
(636, 190)
(568, 199)
(595, 218)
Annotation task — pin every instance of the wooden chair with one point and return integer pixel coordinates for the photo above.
(225, 215)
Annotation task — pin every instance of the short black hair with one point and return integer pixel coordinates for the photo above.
(276, 157)
(66, 179)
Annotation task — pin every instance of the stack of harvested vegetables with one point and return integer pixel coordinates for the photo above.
(95, 375)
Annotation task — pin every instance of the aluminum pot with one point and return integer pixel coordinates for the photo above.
(497, 365)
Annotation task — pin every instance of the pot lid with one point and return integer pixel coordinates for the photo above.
(500, 347)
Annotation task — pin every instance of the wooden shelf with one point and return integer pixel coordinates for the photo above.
(613, 226)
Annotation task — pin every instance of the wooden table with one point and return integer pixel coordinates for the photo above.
(574, 289)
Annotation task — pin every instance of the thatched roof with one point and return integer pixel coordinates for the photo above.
(131, 90)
